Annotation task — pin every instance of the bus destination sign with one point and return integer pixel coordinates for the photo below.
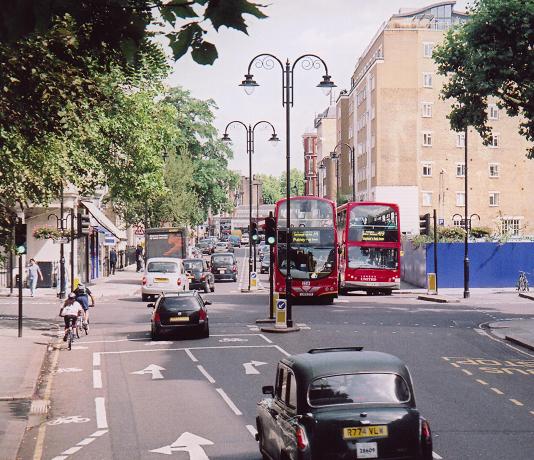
(301, 236)
(373, 235)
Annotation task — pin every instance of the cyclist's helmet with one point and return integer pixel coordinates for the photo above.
(81, 288)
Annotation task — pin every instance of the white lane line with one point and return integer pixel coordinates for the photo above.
(516, 402)
(267, 339)
(281, 350)
(252, 431)
(99, 433)
(532, 412)
(482, 382)
(86, 441)
(446, 359)
(496, 390)
(97, 378)
(72, 450)
(436, 456)
(455, 365)
(205, 374)
(101, 418)
(234, 335)
(465, 371)
(188, 352)
(228, 401)
(221, 347)
(96, 359)
(61, 457)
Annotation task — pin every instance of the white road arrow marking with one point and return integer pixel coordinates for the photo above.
(187, 442)
(153, 369)
(250, 368)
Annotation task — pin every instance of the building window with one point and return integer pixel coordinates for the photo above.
(510, 227)
(427, 198)
(460, 139)
(427, 169)
(495, 141)
(373, 170)
(427, 49)
(458, 222)
(460, 169)
(373, 141)
(494, 198)
(373, 112)
(427, 139)
(350, 132)
(427, 79)
(493, 112)
(426, 110)
(373, 82)
(494, 169)
(460, 199)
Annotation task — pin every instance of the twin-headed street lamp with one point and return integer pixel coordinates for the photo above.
(336, 156)
(250, 150)
(308, 62)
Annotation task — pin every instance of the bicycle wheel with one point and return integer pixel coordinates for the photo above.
(69, 339)
(77, 329)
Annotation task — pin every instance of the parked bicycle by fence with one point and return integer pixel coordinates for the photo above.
(522, 282)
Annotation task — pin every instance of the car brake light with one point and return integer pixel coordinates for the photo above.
(203, 314)
(156, 316)
(144, 280)
(302, 439)
(234, 269)
(179, 281)
(202, 277)
(426, 434)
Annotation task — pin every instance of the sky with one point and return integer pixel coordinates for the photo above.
(336, 30)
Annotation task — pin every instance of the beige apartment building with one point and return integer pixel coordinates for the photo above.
(405, 150)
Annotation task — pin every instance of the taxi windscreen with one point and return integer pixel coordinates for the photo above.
(359, 389)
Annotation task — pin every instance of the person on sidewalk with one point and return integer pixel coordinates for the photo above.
(112, 261)
(34, 273)
(70, 311)
(139, 257)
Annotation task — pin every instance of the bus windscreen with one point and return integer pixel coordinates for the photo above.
(373, 223)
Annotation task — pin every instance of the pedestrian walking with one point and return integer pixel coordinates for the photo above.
(112, 261)
(139, 257)
(34, 273)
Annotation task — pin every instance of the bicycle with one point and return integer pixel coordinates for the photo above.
(70, 334)
(522, 282)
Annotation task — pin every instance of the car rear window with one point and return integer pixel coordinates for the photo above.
(219, 260)
(358, 389)
(162, 267)
(179, 303)
(193, 265)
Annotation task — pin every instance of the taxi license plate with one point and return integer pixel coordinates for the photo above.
(377, 431)
(179, 319)
(221, 270)
(366, 450)
(161, 280)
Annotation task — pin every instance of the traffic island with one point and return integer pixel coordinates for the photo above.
(265, 321)
(526, 295)
(436, 298)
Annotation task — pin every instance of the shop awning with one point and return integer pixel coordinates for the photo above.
(104, 221)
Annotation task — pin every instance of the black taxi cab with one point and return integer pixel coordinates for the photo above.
(341, 404)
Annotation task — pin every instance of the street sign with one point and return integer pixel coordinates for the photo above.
(253, 280)
(431, 283)
(62, 240)
(281, 314)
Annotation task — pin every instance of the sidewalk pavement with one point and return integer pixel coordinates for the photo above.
(517, 331)
(24, 357)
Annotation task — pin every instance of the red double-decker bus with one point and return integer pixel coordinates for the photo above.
(313, 259)
(370, 246)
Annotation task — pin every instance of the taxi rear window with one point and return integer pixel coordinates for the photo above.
(358, 389)
(162, 267)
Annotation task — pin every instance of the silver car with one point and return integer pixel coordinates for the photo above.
(163, 275)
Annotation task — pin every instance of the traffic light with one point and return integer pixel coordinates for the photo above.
(20, 239)
(84, 222)
(254, 233)
(424, 224)
(270, 230)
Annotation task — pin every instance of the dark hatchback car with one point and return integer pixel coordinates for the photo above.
(199, 275)
(341, 404)
(205, 246)
(224, 266)
(181, 312)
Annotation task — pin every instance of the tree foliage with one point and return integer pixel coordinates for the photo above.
(123, 26)
(491, 56)
(274, 188)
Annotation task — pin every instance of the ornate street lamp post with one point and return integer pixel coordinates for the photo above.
(352, 165)
(308, 62)
(250, 150)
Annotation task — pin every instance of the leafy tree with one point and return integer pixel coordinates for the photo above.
(270, 188)
(491, 56)
(124, 26)
(297, 182)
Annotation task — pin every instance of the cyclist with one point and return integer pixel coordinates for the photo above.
(82, 294)
(70, 311)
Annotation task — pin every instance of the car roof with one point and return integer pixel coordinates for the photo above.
(194, 259)
(223, 254)
(163, 259)
(332, 361)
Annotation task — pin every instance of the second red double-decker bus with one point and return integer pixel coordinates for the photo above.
(370, 243)
(312, 251)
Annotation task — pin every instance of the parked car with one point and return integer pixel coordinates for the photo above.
(342, 403)
(224, 266)
(244, 238)
(163, 275)
(265, 263)
(180, 312)
(199, 275)
(235, 240)
(223, 247)
(262, 250)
